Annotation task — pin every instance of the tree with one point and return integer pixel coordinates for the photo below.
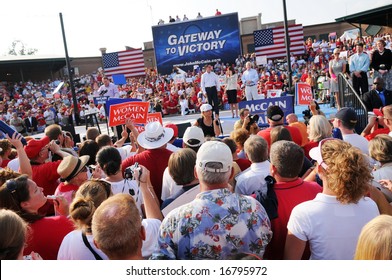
(19, 48)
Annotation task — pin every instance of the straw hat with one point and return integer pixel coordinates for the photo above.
(155, 136)
(70, 166)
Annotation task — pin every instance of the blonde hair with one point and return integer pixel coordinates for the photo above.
(87, 199)
(116, 227)
(375, 240)
(348, 173)
(13, 234)
(319, 128)
(380, 148)
(240, 136)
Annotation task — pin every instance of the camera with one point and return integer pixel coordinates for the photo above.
(130, 171)
(252, 119)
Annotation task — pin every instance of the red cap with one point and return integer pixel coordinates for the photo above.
(378, 112)
(174, 127)
(34, 146)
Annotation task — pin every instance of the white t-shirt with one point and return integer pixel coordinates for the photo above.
(130, 187)
(73, 247)
(332, 228)
(169, 187)
(357, 141)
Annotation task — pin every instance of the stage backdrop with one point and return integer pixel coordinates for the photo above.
(196, 42)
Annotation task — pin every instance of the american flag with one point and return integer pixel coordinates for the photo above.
(271, 41)
(129, 63)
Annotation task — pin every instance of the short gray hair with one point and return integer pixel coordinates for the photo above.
(287, 157)
(256, 148)
(213, 178)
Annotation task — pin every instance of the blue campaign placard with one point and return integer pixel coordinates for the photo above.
(119, 79)
(197, 42)
(260, 107)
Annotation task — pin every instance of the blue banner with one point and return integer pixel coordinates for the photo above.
(196, 42)
(260, 107)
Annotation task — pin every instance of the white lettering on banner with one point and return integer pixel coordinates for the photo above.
(207, 46)
(132, 116)
(197, 38)
(263, 106)
(126, 110)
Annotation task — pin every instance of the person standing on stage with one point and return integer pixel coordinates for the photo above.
(210, 85)
(108, 89)
(359, 65)
(250, 79)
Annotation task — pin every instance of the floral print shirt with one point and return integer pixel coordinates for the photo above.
(218, 224)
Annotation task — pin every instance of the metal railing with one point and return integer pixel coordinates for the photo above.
(348, 97)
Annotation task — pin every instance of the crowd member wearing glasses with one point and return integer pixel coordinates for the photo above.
(207, 123)
(377, 97)
(24, 197)
(336, 66)
(73, 173)
(332, 222)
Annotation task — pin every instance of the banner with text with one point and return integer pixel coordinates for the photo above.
(137, 111)
(196, 42)
(303, 92)
(151, 117)
(260, 107)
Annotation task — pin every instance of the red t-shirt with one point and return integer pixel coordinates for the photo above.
(289, 195)
(294, 132)
(45, 176)
(243, 163)
(308, 146)
(156, 161)
(46, 236)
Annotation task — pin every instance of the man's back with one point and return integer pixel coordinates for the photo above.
(252, 179)
(216, 225)
(294, 132)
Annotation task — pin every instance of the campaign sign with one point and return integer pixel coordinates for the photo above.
(196, 42)
(136, 111)
(151, 117)
(260, 107)
(273, 93)
(100, 99)
(303, 91)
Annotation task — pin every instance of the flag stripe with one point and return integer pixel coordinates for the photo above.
(271, 42)
(129, 63)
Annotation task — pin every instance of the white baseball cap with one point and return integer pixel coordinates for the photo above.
(193, 133)
(214, 151)
(205, 107)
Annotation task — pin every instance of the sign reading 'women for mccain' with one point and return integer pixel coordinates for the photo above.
(196, 42)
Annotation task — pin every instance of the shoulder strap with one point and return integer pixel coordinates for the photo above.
(97, 257)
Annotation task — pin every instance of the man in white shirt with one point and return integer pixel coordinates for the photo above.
(249, 79)
(253, 178)
(209, 85)
(346, 120)
(108, 88)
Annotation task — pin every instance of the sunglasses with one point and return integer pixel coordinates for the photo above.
(11, 186)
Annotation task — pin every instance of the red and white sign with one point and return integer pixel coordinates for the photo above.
(137, 111)
(304, 94)
(151, 117)
(272, 93)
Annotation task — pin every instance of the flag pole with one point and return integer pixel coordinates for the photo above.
(287, 40)
(70, 76)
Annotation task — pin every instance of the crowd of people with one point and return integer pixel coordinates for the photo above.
(290, 191)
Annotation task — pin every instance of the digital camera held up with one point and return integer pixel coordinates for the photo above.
(252, 119)
(131, 170)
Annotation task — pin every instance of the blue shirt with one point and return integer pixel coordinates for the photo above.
(382, 96)
(215, 225)
(359, 62)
